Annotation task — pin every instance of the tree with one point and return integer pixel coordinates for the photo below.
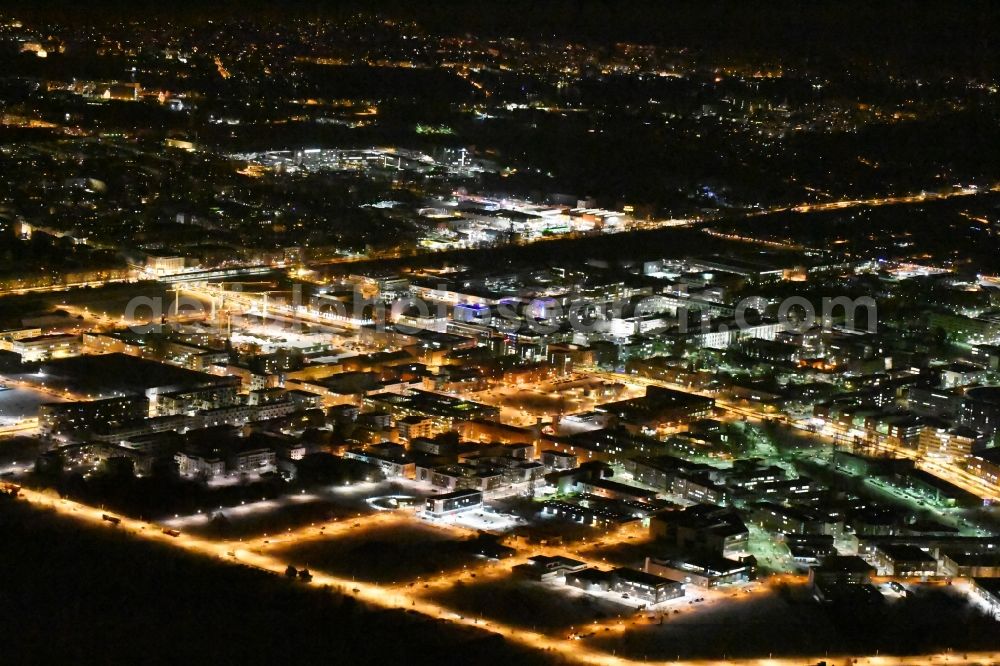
(50, 464)
(119, 469)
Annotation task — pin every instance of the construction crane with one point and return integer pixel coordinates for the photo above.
(222, 291)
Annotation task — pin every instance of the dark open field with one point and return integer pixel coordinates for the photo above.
(384, 554)
(78, 595)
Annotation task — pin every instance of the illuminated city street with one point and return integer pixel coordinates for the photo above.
(496, 333)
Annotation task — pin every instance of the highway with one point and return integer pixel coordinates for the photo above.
(24, 426)
(920, 197)
(729, 216)
(63, 286)
(396, 253)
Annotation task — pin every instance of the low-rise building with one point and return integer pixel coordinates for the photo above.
(414, 426)
(591, 514)
(547, 568)
(197, 399)
(630, 583)
(660, 406)
(703, 571)
(644, 585)
(842, 570)
(903, 561)
(208, 464)
(44, 347)
(985, 465)
(454, 502)
(958, 563)
(702, 528)
(988, 591)
(483, 478)
(62, 418)
(252, 461)
(557, 460)
(217, 452)
(609, 489)
(793, 520)
(391, 465)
